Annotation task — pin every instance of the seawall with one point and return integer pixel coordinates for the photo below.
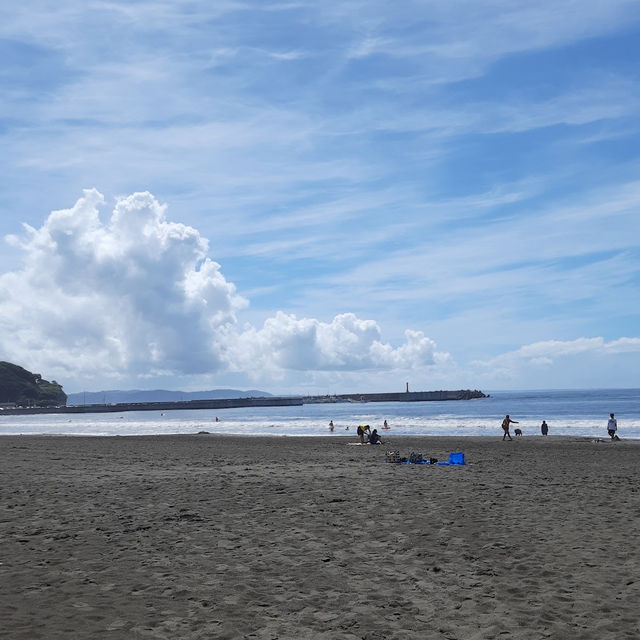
(219, 403)
(407, 396)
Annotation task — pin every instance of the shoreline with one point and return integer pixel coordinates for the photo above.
(335, 438)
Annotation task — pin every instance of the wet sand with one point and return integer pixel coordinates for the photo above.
(181, 537)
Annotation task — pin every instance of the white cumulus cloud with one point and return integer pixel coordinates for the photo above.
(347, 343)
(137, 296)
(136, 293)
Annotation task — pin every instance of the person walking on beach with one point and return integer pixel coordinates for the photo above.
(544, 428)
(505, 426)
(612, 427)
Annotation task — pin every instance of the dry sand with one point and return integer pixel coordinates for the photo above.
(206, 536)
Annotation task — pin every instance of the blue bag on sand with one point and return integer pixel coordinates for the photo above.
(444, 464)
(456, 458)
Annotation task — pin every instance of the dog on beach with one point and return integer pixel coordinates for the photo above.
(517, 432)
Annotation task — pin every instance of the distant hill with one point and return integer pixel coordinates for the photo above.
(23, 388)
(158, 395)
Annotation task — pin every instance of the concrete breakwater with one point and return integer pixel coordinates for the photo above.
(406, 396)
(270, 401)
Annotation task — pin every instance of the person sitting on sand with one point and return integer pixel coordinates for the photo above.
(612, 427)
(374, 438)
(505, 426)
(544, 428)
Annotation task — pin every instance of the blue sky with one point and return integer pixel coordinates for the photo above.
(321, 197)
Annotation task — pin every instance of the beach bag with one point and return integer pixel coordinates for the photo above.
(456, 458)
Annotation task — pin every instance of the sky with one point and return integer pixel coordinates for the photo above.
(334, 197)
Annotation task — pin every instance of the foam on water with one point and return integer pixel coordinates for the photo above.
(568, 413)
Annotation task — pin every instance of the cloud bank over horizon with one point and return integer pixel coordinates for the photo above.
(138, 297)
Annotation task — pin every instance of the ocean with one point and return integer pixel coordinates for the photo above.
(567, 412)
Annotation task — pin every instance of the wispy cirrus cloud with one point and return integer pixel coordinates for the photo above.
(543, 362)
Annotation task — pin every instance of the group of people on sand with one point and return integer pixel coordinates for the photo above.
(366, 435)
(612, 427)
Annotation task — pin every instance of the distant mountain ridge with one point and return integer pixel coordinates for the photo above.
(158, 395)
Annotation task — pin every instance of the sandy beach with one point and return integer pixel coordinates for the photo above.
(203, 536)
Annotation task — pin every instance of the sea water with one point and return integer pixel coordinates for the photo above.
(568, 413)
